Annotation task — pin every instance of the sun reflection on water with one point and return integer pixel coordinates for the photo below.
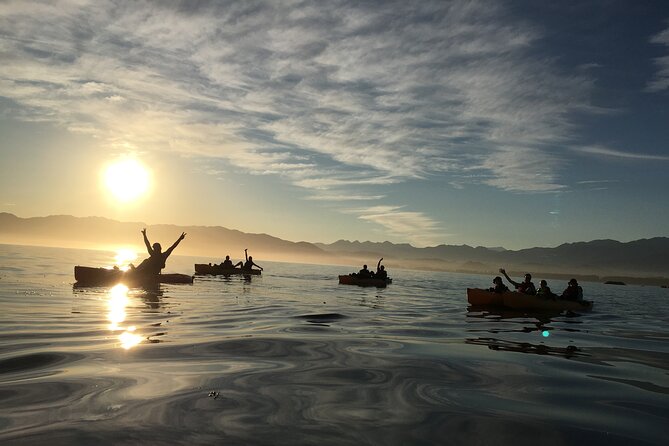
(129, 339)
(118, 300)
(123, 258)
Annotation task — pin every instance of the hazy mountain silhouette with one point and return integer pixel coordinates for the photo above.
(103, 233)
(647, 257)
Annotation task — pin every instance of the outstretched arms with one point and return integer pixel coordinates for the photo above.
(146, 242)
(171, 248)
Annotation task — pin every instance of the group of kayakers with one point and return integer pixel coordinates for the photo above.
(365, 273)
(156, 260)
(249, 264)
(572, 292)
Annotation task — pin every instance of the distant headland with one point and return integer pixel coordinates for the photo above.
(637, 262)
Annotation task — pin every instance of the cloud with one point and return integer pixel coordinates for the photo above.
(344, 197)
(597, 181)
(613, 153)
(519, 169)
(327, 96)
(416, 227)
(660, 81)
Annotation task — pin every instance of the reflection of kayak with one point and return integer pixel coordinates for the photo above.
(352, 280)
(478, 296)
(203, 268)
(521, 301)
(88, 276)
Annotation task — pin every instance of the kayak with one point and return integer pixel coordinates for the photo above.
(353, 280)
(203, 268)
(481, 297)
(88, 276)
(519, 301)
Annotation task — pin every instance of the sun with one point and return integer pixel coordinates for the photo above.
(127, 179)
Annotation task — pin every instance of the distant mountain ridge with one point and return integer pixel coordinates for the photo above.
(646, 257)
(101, 233)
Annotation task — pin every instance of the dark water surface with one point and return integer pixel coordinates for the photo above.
(292, 357)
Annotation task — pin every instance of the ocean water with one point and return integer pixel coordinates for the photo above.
(294, 358)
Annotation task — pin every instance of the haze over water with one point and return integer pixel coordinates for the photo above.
(292, 357)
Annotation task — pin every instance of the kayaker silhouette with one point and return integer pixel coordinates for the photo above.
(249, 261)
(364, 273)
(381, 272)
(156, 261)
(525, 287)
(227, 263)
(573, 291)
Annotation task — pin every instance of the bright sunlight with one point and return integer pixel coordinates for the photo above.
(127, 179)
(123, 257)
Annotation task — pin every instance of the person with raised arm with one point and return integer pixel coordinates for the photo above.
(381, 272)
(249, 262)
(525, 287)
(156, 261)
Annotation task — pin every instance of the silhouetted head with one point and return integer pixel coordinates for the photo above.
(364, 266)
(528, 277)
(497, 280)
(227, 257)
(573, 282)
(251, 258)
(383, 268)
(157, 247)
(543, 283)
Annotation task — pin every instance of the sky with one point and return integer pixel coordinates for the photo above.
(486, 123)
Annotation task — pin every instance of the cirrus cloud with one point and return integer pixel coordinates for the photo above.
(329, 96)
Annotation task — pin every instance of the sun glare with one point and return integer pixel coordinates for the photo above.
(127, 179)
(123, 257)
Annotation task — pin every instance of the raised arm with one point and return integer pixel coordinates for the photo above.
(246, 254)
(146, 242)
(171, 248)
(378, 265)
(503, 271)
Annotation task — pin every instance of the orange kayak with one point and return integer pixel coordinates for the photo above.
(521, 301)
(481, 297)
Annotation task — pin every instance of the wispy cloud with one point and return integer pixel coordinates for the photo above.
(416, 227)
(661, 79)
(613, 153)
(328, 95)
(344, 197)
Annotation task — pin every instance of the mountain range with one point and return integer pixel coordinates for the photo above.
(594, 260)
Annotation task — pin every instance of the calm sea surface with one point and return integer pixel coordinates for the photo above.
(292, 357)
